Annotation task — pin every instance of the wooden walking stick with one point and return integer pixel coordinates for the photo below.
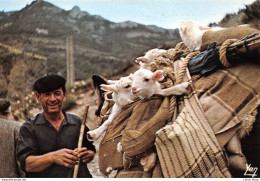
(82, 129)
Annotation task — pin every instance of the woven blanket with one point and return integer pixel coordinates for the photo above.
(220, 36)
(188, 147)
(108, 154)
(191, 145)
(229, 97)
(135, 128)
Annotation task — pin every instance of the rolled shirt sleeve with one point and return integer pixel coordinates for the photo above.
(26, 144)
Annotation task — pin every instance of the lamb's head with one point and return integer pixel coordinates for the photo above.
(121, 90)
(145, 83)
(187, 26)
(149, 57)
(191, 34)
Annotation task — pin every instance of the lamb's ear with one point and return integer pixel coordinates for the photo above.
(141, 59)
(182, 28)
(110, 88)
(158, 75)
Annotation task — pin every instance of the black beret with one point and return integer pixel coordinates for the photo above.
(49, 83)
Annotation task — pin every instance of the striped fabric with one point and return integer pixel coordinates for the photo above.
(228, 97)
(188, 147)
(191, 145)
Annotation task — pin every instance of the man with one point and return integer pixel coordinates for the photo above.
(9, 167)
(5, 109)
(47, 145)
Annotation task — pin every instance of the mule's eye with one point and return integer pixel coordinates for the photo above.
(146, 80)
(128, 86)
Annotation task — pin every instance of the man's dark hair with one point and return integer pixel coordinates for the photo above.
(49, 83)
(4, 105)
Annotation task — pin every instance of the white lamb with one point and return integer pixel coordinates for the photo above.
(121, 95)
(198, 37)
(145, 84)
(191, 33)
(149, 57)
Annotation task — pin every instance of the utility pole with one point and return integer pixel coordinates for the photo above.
(70, 60)
(24, 81)
(45, 66)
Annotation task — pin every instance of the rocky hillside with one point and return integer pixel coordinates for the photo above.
(99, 45)
(32, 43)
(248, 15)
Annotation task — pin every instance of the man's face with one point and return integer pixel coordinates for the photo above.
(51, 101)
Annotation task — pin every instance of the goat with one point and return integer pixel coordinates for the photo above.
(198, 37)
(149, 57)
(121, 95)
(145, 84)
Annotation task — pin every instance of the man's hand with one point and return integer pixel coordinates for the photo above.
(85, 155)
(65, 157)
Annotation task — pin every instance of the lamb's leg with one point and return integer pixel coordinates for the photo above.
(119, 147)
(178, 89)
(96, 133)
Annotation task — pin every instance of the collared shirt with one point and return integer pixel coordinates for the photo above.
(38, 136)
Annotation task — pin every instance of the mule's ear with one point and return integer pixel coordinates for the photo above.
(110, 88)
(97, 81)
(158, 75)
(141, 59)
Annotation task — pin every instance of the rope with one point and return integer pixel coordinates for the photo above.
(173, 102)
(184, 66)
(166, 61)
(223, 51)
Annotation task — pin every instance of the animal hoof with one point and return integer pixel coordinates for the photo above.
(90, 136)
(186, 85)
(119, 147)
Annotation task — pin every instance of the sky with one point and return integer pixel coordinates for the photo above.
(162, 13)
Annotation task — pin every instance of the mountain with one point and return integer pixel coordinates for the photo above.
(100, 46)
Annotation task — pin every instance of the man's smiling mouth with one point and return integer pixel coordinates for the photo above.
(53, 105)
